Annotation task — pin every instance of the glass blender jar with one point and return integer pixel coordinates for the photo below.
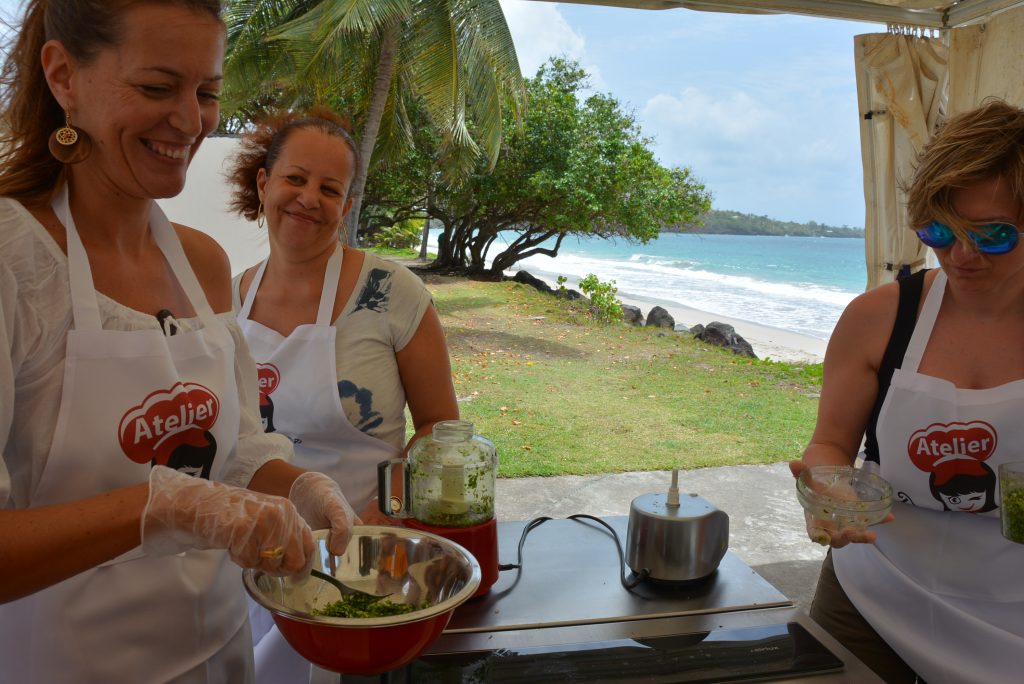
(448, 489)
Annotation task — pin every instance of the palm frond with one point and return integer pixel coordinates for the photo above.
(329, 19)
(437, 75)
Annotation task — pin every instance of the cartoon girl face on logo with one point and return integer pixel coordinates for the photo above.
(954, 455)
(970, 487)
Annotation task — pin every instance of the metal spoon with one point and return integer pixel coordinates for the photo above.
(345, 589)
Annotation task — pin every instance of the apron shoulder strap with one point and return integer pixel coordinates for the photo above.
(250, 296)
(85, 308)
(332, 274)
(925, 323)
(167, 239)
(911, 288)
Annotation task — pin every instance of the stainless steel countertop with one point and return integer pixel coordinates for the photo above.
(569, 592)
(570, 576)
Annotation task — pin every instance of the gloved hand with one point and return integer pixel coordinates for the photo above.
(258, 530)
(320, 502)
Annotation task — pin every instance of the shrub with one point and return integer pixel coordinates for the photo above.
(402, 235)
(604, 304)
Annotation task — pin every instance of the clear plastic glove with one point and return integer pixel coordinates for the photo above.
(319, 500)
(258, 530)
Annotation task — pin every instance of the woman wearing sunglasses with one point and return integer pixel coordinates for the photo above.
(928, 373)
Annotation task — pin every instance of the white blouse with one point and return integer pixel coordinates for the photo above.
(35, 316)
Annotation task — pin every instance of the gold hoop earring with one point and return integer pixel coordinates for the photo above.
(261, 217)
(68, 144)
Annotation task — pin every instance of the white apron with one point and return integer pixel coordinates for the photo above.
(299, 398)
(299, 380)
(131, 399)
(941, 585)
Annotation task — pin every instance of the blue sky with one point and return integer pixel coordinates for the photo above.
(763, 109)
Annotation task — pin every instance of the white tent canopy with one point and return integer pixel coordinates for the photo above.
(935, 59)
(919, 13)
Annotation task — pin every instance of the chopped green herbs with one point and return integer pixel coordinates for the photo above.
(362, 606)
(1013, 515)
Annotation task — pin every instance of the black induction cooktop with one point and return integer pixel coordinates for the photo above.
(746, 654)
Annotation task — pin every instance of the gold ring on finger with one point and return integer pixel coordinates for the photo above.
(275, 553)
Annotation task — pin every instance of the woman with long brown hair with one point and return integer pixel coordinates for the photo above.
(134, 464)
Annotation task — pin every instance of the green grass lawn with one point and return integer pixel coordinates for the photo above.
(559, 393)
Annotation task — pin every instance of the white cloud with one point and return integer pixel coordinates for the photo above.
(735, 117)
(540, 31)
(760, 151)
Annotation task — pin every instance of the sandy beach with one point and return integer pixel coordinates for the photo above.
(768, 342)
(203, 205)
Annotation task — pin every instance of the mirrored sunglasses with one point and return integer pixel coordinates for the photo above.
(992, 238)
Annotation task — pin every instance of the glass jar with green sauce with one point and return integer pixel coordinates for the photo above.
(450, 477)
(1011, 500)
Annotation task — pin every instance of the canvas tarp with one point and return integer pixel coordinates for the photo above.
(901, 83)
(987, 60)
(937, 14)
(906, 83)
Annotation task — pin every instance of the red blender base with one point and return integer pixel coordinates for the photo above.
(480, 540)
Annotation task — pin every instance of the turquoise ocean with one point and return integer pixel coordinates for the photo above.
(799, 284)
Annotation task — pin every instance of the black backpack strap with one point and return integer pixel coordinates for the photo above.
(911, 288)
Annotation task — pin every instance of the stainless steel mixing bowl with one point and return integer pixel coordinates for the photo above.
(414, 567)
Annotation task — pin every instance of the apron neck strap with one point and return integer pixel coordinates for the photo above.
(332, 275)
(85, 306)
(84, 303)
(925, 323)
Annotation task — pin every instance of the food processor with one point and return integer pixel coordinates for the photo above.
(448, 485)
(673, 538)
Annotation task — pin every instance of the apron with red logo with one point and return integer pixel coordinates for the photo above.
(130, 400)
(299, 394)
(941, 585)
(299, 397)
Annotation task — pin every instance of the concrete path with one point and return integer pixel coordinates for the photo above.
(766, 524)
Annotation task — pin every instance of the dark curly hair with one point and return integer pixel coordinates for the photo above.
(28, 111)
(262, 145)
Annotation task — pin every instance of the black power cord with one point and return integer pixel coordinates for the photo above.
(629, 584)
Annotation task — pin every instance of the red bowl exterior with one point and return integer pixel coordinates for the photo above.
(366, 651)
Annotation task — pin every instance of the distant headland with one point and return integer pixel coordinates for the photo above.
(724, 222)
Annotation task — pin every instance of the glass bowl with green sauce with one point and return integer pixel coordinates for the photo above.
(844, 496)
(424, 577)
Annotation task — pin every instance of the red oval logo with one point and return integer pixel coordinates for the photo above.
(945, 441)
(167, 419)
(269, 377)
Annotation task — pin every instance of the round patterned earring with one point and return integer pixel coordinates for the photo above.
(68, 144)
(261, 217)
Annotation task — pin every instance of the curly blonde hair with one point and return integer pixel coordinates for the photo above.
(984, 143)
(262, 145)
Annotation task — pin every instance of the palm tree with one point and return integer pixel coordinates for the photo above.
(371, 57)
